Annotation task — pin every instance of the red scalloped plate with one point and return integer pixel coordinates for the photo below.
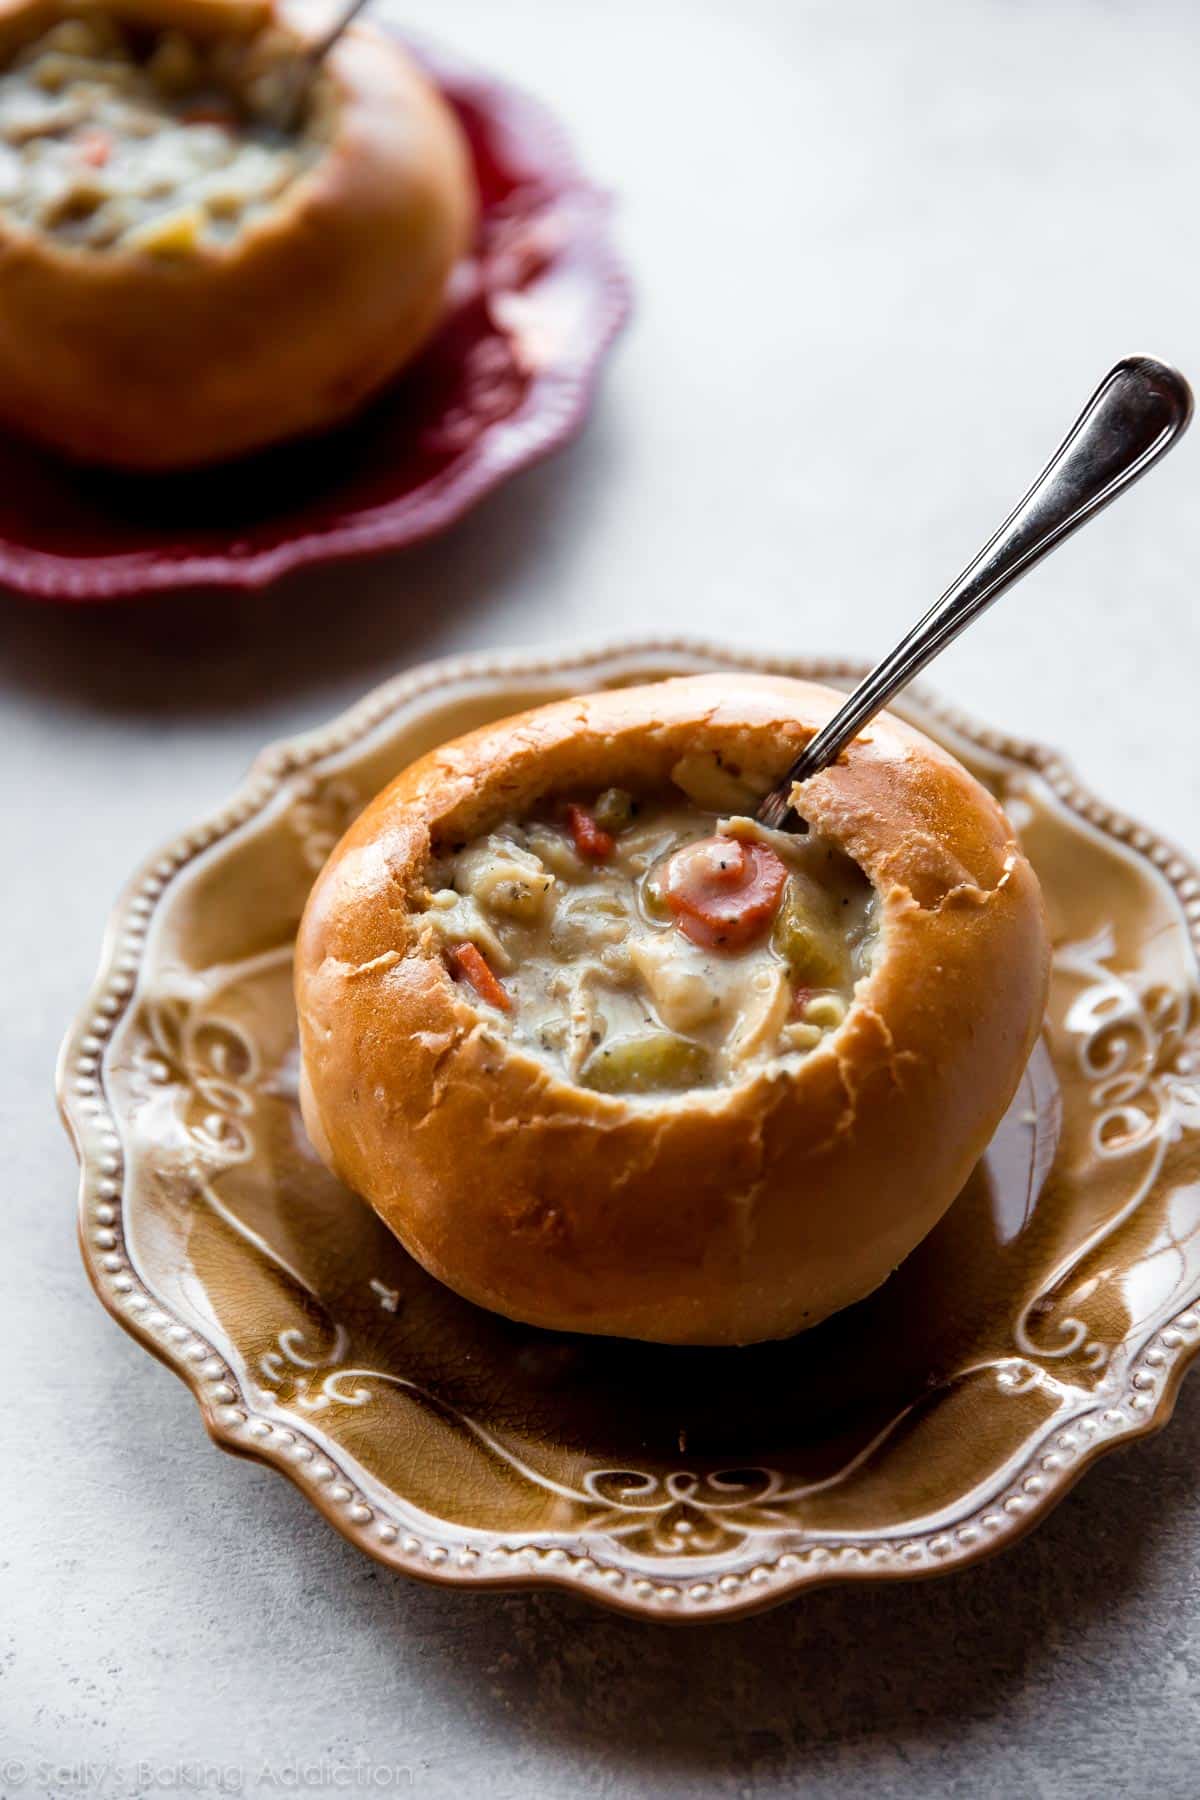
(507, 380)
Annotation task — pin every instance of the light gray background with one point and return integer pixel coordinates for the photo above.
(882, 253)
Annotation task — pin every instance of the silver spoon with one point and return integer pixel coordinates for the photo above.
(320, 48)
(1139, 410)
(310, 60)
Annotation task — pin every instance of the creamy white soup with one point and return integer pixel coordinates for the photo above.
(644, 946)
(151, 141)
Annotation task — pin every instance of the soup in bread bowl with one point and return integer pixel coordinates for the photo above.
(610, 1057)
(207, 245)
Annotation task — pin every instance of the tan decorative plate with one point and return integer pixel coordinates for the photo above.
(1048, 1318)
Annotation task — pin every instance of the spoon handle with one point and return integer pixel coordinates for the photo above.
(320, 49)
(1138, 411)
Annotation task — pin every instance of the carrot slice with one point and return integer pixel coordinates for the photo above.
(467, 962)
(94, 147)
(590, 839)
(723, 892)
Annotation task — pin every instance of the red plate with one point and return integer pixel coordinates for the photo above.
(507, 380)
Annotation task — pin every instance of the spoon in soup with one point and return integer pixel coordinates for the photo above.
(308, 62)
(1139, 410)
(320, 48)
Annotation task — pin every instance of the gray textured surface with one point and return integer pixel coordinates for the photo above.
(882, 253)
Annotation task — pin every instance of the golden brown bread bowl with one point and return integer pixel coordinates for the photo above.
(887, 989)
(197, 257)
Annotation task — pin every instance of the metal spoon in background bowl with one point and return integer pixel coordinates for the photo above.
(309, 61)
(319, 49)
(1139, 410)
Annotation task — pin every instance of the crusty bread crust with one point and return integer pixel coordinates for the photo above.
(722, 1216)
(143, 362)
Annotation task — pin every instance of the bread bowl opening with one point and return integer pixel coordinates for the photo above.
(116, 136)
(652, 944)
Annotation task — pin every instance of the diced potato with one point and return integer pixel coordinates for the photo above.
(513, 894)
(651, 1063)
(613, 810)
(709, 784)
(175, 233)
(806, 936)
(505, 880)
(679, 986)
(556, 851)
(589, 924)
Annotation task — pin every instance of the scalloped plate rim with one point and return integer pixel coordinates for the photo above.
(550, 1564)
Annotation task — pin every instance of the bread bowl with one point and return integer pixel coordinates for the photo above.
(719, 1196)
(202, 253)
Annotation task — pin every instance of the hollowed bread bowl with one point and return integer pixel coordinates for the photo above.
(717, 1215)
(159, 359)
